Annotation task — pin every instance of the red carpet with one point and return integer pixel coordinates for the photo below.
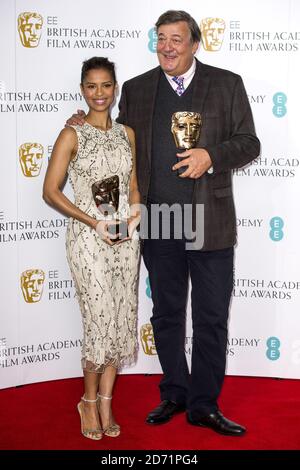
(44, 416)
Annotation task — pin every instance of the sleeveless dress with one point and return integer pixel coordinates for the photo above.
(105, 276)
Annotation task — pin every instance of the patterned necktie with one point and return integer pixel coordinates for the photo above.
(180, 88)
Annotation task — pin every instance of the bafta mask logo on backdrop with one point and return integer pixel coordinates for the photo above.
(31, 158)
(147, 339)
(30, 28)
(212, 30)
(32, 283)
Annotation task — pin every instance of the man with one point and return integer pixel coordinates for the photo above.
(227, 141)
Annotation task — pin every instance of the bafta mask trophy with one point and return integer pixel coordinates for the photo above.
(186, 128)
(106, 196)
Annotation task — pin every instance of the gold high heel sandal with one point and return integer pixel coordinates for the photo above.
(113, 430)
(94, 434)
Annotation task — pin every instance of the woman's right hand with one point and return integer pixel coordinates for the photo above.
(101, 229)
(76, 119)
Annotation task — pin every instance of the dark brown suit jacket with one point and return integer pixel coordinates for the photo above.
(227, 134)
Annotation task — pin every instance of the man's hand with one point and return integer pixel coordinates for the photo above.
(198, 162)
(76, 119)
(133, 223)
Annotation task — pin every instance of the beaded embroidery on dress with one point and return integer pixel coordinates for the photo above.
(105, 276)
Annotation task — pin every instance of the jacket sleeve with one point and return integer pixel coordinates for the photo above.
(242, 146)
(122, 117)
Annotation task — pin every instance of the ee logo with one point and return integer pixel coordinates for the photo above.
(153, 40)
(273, 345)
(148, 288)
(276, 232)
(279, 108)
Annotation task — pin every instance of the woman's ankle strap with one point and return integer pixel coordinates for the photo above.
(89, 401)
(103, 396)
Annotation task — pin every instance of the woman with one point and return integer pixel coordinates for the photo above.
(104, 268)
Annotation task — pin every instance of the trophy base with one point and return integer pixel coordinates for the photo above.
(121, 227)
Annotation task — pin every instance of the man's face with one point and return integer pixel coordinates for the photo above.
(31, 159)
(32, 285)
(30, 31)
(186, 129)
(175, 50)
(213, 33)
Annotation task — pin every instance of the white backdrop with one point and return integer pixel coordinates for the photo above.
(40, 330)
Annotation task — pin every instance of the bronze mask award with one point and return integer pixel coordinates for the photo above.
(106, 195)
(186, 128)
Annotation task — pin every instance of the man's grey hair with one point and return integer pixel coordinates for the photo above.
(173, 16)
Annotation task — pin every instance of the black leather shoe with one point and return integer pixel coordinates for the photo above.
(217, 422)
(164, 412)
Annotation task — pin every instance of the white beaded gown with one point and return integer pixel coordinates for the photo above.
(105, 276)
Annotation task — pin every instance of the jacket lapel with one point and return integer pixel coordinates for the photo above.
(150, 87)
(201, 87)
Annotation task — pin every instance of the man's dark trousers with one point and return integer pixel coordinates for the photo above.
(170, 265)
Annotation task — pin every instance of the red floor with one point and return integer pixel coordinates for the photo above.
(44, 416)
